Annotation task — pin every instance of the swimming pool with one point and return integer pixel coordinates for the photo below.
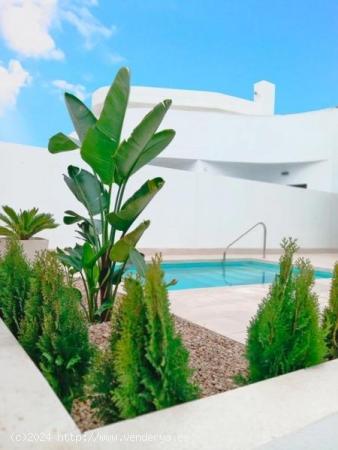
(203, 274)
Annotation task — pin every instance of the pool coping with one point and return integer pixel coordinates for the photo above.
(269, 261)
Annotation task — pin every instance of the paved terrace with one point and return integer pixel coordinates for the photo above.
(228, 310)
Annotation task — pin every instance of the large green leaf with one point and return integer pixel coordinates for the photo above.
(81, 115)
(103, 139)
(87, 233)
(154, 147)
(61, 143)
(72, 217)
(6, 232)
(120, 251)
(133, 207)
(138, 261)
(97, 150)
(72, 257)
(130, 150)
(87, 189)
(117, 274)
(114, 108)
(13, 217)
(90, 257)
(86, 225)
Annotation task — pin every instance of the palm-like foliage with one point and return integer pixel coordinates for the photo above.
(109, 242)
(25, 224)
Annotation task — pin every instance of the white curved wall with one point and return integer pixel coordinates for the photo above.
(263, 102)
(221, 137)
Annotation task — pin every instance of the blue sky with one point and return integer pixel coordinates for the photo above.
(47, 46)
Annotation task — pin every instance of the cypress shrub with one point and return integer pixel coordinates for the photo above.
(101, 378)
(15, 276)
(42, 310)
(31, 327)
(131, 394)
(100, 384)
(330, 317)
(42, 280)
(308, 340)
(169, 374)
(64, 346)
(285, 335)
(147, 360)
(54, 330)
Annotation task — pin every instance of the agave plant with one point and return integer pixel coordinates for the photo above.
(24, 224)
(108, 242)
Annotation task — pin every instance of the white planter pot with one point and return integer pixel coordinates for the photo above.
(30, 246)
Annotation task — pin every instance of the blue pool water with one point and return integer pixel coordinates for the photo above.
(192, 275)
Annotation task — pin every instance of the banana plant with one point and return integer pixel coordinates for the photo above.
(109, 245)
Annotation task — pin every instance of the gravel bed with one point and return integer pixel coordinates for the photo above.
(215, 359)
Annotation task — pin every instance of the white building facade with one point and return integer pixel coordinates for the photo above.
(223, 135)
(230, 165)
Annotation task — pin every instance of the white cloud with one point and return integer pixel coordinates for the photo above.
(115, 58)
(87, 25)
(12, 80)
(78, 89)
(25, 27)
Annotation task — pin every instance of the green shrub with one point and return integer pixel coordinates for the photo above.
(330, 317)
(168, 379)
(132, 395)
(147, 361)
(100, 384)
(15, 276)
(64, 346)
(43, 310)
(285, 334)
(54, 331)
(46, 278)
(31, 325)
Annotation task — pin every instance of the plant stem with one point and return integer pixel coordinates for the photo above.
(87, 295)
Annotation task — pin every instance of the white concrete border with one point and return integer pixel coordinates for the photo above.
(29, 407)
(242, 419)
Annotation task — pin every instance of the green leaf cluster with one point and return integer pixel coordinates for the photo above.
(24, 224)
(330, 317)
(286, 334)
(112, 160)
(15, 274)
(146, 367)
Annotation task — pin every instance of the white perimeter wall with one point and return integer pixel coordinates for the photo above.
(193, 210)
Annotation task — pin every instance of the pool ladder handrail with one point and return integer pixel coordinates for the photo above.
(244, 234)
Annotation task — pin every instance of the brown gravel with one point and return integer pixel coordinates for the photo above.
(84, 416)
(214, 358)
